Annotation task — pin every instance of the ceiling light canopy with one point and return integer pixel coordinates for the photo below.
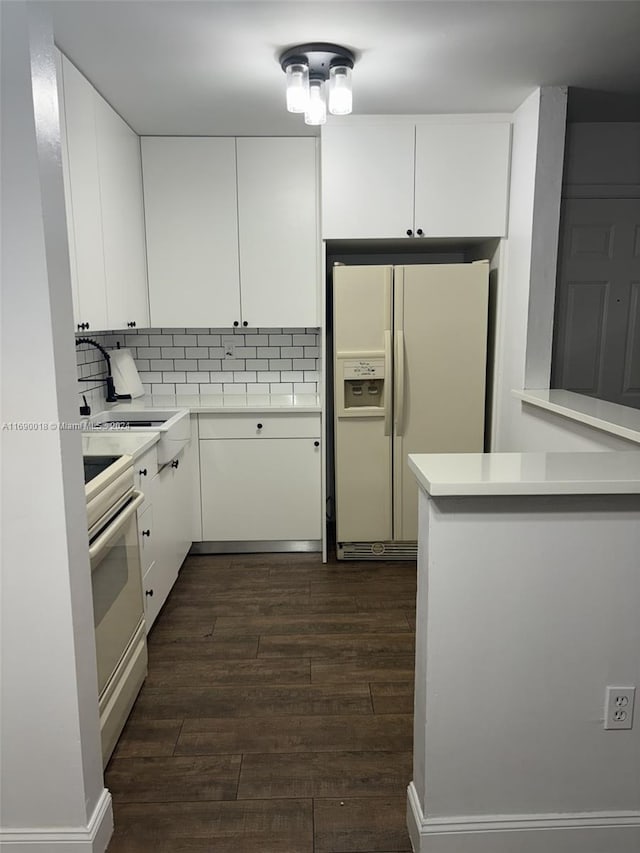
(308, 67)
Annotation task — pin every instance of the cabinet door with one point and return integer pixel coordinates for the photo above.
(84, 217)
(462, 173)
(120, 171)
(278, 231)
(260, 489)
(190, 204)
(367, 181)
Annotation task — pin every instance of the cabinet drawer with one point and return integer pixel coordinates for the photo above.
(268, 425)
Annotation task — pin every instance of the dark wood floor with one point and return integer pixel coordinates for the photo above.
(277, 713)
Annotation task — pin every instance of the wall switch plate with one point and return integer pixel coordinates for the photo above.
(229, 345)
(618, 707)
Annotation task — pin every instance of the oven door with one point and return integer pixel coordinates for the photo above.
(117, 587)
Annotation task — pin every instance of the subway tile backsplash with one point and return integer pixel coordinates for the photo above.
(201, 361)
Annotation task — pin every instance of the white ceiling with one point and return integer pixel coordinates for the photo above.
(185, 67)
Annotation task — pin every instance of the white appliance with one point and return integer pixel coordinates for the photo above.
(118, 609)
(409, 377)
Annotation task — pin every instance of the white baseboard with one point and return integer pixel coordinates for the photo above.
(588, 832)
(92, 838)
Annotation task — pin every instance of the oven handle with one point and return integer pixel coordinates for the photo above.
(114, 529)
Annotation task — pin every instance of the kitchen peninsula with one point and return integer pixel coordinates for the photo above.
(528, 601)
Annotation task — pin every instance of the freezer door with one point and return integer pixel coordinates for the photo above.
(440, 324)
(362, 409)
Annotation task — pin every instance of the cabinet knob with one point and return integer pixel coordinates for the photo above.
(316, 444)
(235, 323)
(259, 426)
(131, 324)
(409, 232)
(149, 592)
(175, 463)
(419, 232)
(143, 472)
(245, 323)
(146, 533)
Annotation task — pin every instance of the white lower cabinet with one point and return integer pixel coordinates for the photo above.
(264, 484)
(164, 526)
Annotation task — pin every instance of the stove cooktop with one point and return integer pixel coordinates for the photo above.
(94, 465)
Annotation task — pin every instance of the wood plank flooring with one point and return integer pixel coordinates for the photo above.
(277, 714)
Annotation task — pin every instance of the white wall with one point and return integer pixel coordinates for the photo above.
(524, 619)
(527, 286)
(52, 793)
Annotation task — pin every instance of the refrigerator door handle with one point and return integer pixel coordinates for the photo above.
(399, 383)
(387, 382)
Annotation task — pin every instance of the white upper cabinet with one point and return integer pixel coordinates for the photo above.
(367, 180)
(232, 234)
(462, 179)
(399, 177)
(120, 171)
(82, 197)
(278, 231)
(190, 204)
(105, 215)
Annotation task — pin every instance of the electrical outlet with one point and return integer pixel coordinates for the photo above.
(618, 708)
(229, 345)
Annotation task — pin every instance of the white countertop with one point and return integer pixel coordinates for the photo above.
(458, 474)
(115, 442)
(231, 403)
(618, 420)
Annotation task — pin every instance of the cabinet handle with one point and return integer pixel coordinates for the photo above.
(83, 325)
(409, 232)
(316, 444)
(131, 324)
(420, 232)
(149, 592)
(259, 426)
(175, 463)
(245, 322)
(146, 533)
(143, 472)
(235, 323)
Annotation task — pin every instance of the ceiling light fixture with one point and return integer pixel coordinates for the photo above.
(308, 67)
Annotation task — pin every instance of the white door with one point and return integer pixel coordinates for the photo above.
(462, 179)
(440, 321)
(278, 231)
(120, 171)
(367, 180)
(363, 478)
(190, 203)
(261, 489)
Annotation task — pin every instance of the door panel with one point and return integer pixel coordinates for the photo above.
(441, 312)
(597, 331)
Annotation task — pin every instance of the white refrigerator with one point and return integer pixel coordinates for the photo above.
(410, 346)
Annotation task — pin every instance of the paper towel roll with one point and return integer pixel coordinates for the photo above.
(125, 373)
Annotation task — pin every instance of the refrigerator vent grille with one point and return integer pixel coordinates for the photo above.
(377, 550)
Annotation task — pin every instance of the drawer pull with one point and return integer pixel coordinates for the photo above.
(259, 426)
(316, 444)
(143, 472)
(149, 592)
(146, 533)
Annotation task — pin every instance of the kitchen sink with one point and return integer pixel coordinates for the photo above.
(173, 425)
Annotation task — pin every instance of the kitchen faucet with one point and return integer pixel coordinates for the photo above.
(112, 397)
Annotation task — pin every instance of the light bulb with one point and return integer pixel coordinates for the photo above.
(297, 87)
(340, 98)
(316, 112)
